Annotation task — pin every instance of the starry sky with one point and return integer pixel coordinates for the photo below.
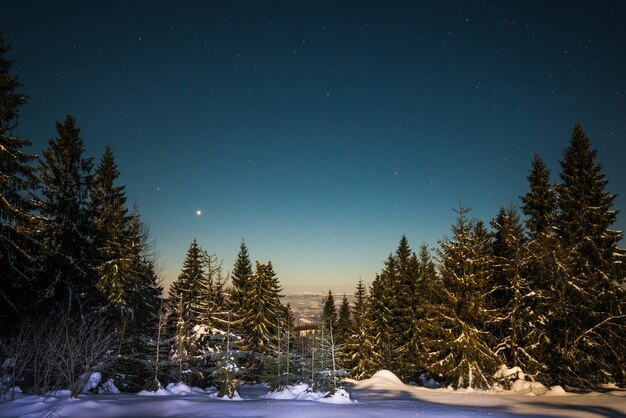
(320, 132)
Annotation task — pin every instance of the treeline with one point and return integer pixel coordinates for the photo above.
(72, 253)
(546, 295)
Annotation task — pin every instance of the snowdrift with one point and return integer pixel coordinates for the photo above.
(301, 392)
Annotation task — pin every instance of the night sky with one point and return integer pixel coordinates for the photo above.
(320, 132)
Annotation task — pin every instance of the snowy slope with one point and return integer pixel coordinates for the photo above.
(384, 395)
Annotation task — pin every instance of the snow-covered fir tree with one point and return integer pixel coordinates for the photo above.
(137, 317)
(240, 277)
(67, 275)
(591, 344)
(512, 294)
(17, 180)
(539, 264)
(184, 312)
(329, 311)
(423, 289)
(539, 204)
(358, 346)
(405, 299)
(111, 224)
(379, 322)
(263, 307)
(280, 370)
(459, 345)
(344, 321)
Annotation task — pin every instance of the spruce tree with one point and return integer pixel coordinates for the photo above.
(538, 270)
(459, 346)
(512, 294)
(593, 339)
(424, 296)
(344, 322)
(262, 300)
(111, 225)
(585, 214)
(184, 313)
(405, 301)
(241, 276)
(380, 321)
(329, 312)
(67, 269)
(358, 347)
(136, 316)
(17, 181)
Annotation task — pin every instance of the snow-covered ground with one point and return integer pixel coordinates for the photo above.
(381, 396)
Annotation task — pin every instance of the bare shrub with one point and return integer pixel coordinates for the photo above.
(59, 352)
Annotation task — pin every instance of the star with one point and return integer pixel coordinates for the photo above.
(198, 212)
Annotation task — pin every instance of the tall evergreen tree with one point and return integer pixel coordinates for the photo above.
(67, 274)
(406, 300)
(358, 348)
(17, 180)
(329, 312)
(241, 278)
(538, 269)
(111, 227)
(262, 300)
(512, 294)
(241, 275)
(460, 345)
(424, 296)
(593, 339)
(137, 314)
(184, 312)
(380, 326)
(344, 322)
(585, 214)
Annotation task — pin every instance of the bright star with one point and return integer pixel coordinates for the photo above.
(199, 212)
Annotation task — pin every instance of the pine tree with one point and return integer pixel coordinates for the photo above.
(111, 224)
(459, 346)
(538, 268)
(380, 320)
(136, 319)
(241, 276)
(67, 276)
(17, 180)
(262, 300)
(392, 304)
(358, 348)
(344, 322)
(540, 202)
(329, 312)
(424, 296)
(404, 301)
(592, 342)
(184, 312)
(512, 294)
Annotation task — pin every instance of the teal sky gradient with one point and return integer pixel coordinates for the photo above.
(320, 132)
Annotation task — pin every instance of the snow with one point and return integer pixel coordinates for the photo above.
(93, 382)
(383, 395)
(179, 388)
(108, 387)
(301, 392)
